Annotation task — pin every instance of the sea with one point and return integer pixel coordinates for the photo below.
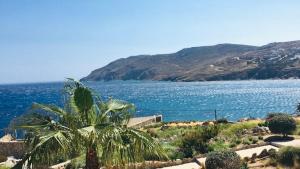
(176, 101)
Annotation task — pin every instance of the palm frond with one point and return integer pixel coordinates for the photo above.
(120, 146)
(49, 108)
(119, 105)
(47, 147)
(116, 111)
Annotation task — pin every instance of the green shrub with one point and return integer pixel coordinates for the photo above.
(197, 141)
(254, 140)
(282, 124)
(209, 132)
(244, 166)
(176, 155)
(231, 145)
(288, 156)
(223, 160)
(193, 142)
(246, 159)
(238, 141)
(271, 115)
(263, 124)
(152, 132)
(172, 151)
(238, 128)
(222, 120)
(273, 157)
(218, 146)
(246, 141)
(2, 158)
(272, 153)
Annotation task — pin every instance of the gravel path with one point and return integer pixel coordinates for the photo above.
(184, 166)
(294, 143)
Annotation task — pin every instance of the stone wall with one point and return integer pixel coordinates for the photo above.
(12, 148)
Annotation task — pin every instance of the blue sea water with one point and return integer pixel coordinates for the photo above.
(176, 101)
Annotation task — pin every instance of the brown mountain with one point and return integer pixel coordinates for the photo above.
(218, 62)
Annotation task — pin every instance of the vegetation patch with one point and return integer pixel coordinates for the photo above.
(289, 157)
(281, 124)
(223, 160)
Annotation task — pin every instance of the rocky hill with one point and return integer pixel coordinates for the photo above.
(218, 62)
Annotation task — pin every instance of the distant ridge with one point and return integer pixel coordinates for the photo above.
(206, 63)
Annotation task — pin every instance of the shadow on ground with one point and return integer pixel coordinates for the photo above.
(278, 139)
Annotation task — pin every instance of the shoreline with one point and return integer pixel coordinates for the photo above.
(153, 81)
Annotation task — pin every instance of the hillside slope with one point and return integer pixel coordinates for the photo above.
(218, 62)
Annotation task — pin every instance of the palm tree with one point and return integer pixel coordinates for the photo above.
(86, 126)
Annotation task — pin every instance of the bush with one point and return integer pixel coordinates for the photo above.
(197, 141)
(254, 140)
(238, 141)
(244, 166)
(152, 132)
(234, 141)
(246, 141)
(176, 155)
(231, 145)
(263, 124)
(237, 129)
(282, 124)
(222, 120)
(272, 153)
(218, 146)
(223, 160)
(209, 132)
(2, 158)
(192, 143)
(271, 115)
(288, 156)
(173, 152)
(273, 157)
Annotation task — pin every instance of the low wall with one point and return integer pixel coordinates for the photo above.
(12, 148)
(138, 122)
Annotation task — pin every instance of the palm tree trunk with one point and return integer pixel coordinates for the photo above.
(92, 158)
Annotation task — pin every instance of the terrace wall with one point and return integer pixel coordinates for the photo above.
(12, 148)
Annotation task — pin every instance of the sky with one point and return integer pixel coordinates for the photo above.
(49, 40)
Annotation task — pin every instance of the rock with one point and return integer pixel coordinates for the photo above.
(11, 161)
(243, 120)
(253, 157)
(264, 153)
(7, 138)
(260, 130)
(164, 127)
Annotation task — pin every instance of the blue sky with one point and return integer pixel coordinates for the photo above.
(52, 39)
